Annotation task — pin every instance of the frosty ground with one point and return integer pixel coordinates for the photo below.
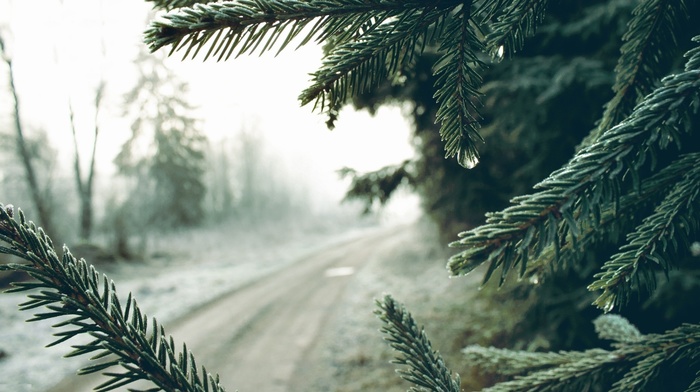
(349, 349)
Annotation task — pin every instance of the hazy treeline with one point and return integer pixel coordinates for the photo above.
(167, 172)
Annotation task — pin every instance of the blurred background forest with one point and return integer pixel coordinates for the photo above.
(108, 144)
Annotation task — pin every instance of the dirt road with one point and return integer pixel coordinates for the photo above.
(256, 337)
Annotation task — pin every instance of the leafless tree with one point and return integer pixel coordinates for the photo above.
(85, 182)
(38, 197)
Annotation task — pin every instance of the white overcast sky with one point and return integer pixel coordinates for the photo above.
(56, 50)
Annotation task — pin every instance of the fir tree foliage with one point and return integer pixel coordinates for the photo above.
(657, 241)
(646, 154)
(371, 41)
(650, 42)
(527, 128)
(86, 303)
(572, 198)
(376, 187)
(426, 368)
(635, 362)
(514, 21)
(171, 4)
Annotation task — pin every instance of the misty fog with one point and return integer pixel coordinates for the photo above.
(246, 110)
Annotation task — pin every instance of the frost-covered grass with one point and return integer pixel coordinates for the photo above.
(190, 268)
(351, 350)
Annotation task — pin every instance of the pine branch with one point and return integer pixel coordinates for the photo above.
(649, 43)
(562, 371)
(515, 22)
(636, 361)
(356, 66)
(244, 25)
(378, 186)
(487, 9)
(457, 87)
(511, 363)
(654, 244)
(87, 303)
(371, 41)
(654, 352)
(172, 4)
(426, 369)
(613, 219)
(577, 375)
(593, 178)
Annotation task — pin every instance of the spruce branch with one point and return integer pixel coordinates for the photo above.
(457, 87)
(376, 187)
(244, 25)
(654, 244)
(487, 9)
(636, 361)
(516, 21)
(511, 363)
(574, 194)
(356, 66)
(577, 375)
(172, 4)
(371, 42)
(613, 220)
(655, 352)
(87, 303)
(426, 369)
(644, 56)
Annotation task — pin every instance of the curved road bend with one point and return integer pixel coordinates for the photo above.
(255, 337)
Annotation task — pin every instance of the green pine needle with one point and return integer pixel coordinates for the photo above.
(654, 245)
(457, 87)
(592, 180)
(515, 21)
(649, 44)
(425, 367)
(635, 364)
(172, 4)
(87, 304)
(370, 42)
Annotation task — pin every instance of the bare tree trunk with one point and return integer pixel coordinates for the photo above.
(85, 186)
(40, 203)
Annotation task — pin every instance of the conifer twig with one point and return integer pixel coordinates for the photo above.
(426, 368)
(367, 43)
(172, 4)
(633, 364)
(654, 244)
(573, 196)
(644, 57)
(87, 304)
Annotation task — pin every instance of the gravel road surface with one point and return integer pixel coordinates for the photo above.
(257, 337)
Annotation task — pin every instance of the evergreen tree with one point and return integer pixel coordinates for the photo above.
(533, 90)
(165, 153)
(633, 182)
